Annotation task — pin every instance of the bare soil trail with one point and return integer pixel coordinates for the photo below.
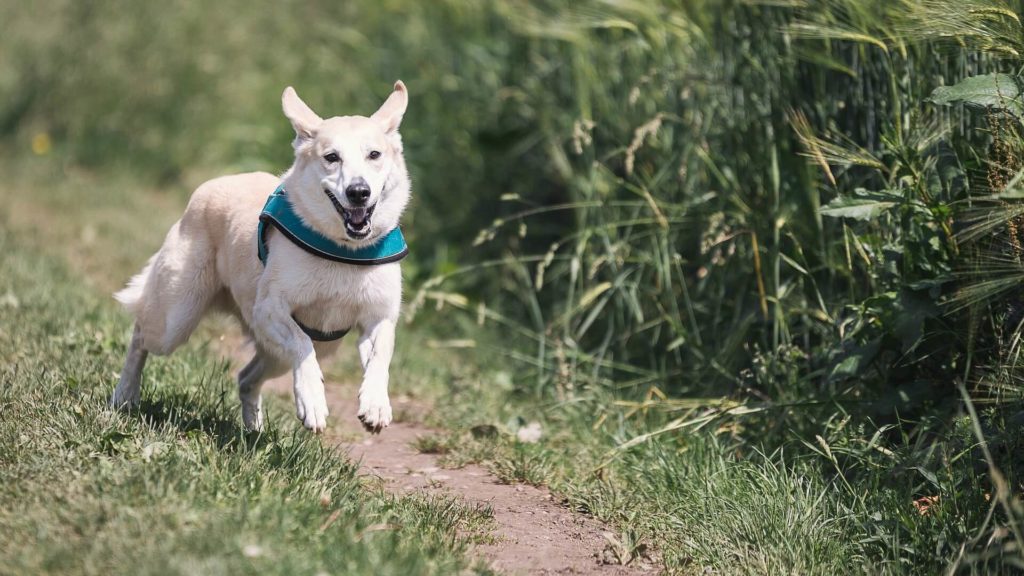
(533, 533)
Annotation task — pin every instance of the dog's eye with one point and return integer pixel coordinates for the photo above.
(374, 155)
(332, 157)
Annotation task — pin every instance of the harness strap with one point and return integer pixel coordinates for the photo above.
(319, 336)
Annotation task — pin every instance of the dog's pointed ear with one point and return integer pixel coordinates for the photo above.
(390, 113)
(302, 117)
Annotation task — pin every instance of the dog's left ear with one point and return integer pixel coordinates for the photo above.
(390, 113)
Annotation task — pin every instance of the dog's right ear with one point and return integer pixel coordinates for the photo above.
(302, 117)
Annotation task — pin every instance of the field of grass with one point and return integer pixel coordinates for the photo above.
(754, 267)
(221, 501)
(852, 500)
(176, 488)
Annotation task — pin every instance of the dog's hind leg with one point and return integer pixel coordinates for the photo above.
(250, 382)
(127, 393)
(179, 283)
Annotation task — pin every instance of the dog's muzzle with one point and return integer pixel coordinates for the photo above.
(357, 218)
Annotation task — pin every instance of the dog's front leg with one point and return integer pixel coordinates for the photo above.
(376, 346)
(281, 336)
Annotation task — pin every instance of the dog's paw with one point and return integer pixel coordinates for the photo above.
(374, 411)
(311, 404)
(125, 398)
(252, 413)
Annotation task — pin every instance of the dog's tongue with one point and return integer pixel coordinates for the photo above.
(357, 215)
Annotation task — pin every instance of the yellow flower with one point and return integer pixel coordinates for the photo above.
(41, 144)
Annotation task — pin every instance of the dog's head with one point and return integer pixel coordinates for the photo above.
(349, 180)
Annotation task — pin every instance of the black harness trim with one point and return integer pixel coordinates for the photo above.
(318, 335)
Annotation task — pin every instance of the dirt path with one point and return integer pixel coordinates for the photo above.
(533, 534)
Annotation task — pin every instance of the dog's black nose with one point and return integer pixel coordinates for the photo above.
(358, 192)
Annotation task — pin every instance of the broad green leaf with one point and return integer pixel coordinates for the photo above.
(991, 90)
(856, 208)
(856, 362)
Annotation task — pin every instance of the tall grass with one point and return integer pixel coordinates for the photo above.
(688, 249)
(767, 209)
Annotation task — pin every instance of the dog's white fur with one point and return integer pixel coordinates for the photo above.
(208, 260)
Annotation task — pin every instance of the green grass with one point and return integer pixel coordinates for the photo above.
(176, 487)
(725, 490)
(708, 498)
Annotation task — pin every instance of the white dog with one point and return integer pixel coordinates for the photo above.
(320, 257)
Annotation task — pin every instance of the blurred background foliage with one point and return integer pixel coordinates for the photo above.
(798, 206)
(677, 198)
(644, 181)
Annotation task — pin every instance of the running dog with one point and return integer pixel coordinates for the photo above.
(299, 260)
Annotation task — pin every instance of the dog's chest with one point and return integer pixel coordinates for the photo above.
(331, 296)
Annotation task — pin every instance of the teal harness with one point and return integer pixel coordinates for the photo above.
(278, 212)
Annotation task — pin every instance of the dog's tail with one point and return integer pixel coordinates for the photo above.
(131, 295)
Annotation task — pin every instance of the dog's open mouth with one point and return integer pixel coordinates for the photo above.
(357, 219)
